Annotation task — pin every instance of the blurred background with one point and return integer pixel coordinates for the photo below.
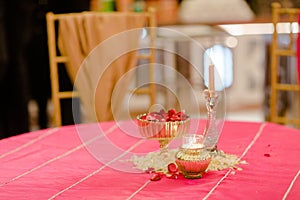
(242, 36)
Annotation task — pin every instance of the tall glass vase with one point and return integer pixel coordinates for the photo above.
(211, 133)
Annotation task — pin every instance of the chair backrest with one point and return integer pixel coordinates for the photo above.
(284, 18)
(64, 29)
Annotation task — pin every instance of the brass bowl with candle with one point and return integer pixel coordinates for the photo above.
(193, 158)
(163, 131)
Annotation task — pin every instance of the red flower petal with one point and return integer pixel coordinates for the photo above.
(155, 177)
(172, 168)
(172, 176)
(150, 170)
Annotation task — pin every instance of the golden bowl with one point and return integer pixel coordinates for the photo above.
(162, 130)
(193, 163)
(193, 158)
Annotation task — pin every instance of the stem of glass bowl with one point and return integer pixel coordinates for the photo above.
(163, 145)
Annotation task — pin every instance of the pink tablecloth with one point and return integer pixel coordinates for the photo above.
(63, 163)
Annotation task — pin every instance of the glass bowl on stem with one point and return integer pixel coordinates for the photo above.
(163, 131)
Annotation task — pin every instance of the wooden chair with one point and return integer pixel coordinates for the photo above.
(288, 16)
(55, 58)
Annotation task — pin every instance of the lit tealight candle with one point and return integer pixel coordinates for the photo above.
(192, 146)
(211, 84)
(193, 141)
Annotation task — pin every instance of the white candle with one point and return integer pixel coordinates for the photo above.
(192, 141)
(192, 146)
(211, 84)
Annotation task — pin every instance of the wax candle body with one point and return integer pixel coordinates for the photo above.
(192, 146)
(211, 85)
